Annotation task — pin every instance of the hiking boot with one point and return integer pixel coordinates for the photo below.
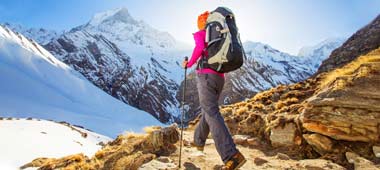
(235, 162)
(199, 148)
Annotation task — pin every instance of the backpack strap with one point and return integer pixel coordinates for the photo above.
(202, 62)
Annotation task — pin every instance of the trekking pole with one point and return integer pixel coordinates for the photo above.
(182, 116)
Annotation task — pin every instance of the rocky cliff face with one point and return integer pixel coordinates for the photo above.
(134, 64)
(103, 63)
(362, 42)
(347, 107)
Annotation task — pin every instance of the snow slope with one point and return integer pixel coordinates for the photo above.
(35, 84)
(41, 35)
(24, 140)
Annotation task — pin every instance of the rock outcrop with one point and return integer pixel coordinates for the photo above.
(325, 116)
(347, 107)
(126, 151)
(362, 42)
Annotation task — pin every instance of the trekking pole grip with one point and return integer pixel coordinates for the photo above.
(186, 59)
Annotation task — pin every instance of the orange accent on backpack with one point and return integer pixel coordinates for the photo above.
(202, 19)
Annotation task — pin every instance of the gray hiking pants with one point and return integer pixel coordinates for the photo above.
(209, 88)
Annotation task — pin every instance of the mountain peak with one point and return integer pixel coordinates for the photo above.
(118, 15)
(329, 43)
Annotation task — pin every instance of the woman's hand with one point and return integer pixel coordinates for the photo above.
(184, 64)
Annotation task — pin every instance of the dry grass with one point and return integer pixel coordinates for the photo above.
(226, 111)
(264, 95)
(241, 110)
(258, 106)
(293, 93)
(71, 162)
(287, 102)
(296, 86)
(151, 129)
(241, 104)
(350, 68)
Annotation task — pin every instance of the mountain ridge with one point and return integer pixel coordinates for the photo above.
(127, 59)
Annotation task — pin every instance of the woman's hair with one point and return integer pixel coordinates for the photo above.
(202, 20)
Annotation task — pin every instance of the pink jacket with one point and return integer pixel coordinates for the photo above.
(200, 44)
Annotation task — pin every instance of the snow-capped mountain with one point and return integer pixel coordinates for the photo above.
(140, 65)
(317, 53)
(127, 58)
(41, 35)
(36, 84)
(139, 40)
(23, 140)
(271, 67)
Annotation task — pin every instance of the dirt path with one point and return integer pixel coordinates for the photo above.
(256, 159)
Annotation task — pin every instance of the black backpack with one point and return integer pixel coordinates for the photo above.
(225, 51)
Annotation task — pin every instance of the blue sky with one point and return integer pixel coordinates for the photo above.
(286, 25)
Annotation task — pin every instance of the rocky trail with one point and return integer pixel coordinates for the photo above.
(258, 155)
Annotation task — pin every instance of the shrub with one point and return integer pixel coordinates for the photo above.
(280, 104)
(297, 86)
(241, 111)
(258, 106)
(286, 102)
(294, 93)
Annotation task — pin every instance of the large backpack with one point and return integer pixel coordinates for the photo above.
(224, 48)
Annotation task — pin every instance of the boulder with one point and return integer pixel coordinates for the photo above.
(253, 141)
(282, 156)
(320, 143)
(240, 139)
(376, 151)
(319, 164)
(283, 136)
(359, 162)
(259, 161)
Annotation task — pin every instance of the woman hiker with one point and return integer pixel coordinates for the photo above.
(210, 84)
